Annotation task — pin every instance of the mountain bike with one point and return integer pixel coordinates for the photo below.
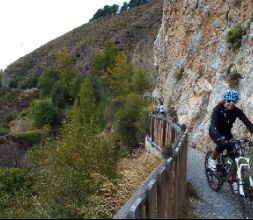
(239, 158)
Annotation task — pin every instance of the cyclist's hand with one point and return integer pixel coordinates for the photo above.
(222, 140)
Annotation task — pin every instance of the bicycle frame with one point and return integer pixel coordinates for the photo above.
(244, 175)
(241, 162)
(239, 171)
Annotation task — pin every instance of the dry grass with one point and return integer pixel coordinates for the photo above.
(133, 171)
(188, 212)
(112, 195)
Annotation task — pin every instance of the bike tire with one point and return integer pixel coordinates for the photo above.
(214, 181)
(246, 200)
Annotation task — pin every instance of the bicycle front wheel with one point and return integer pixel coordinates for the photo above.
(214, 181)
(246, 192)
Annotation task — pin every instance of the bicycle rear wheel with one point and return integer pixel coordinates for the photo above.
(246, 189)
(214, 181)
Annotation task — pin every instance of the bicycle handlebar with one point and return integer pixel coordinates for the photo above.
(241, 141)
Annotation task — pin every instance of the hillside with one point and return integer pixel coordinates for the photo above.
(133, 31)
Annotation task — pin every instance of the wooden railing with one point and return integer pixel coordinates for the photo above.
(163, 194)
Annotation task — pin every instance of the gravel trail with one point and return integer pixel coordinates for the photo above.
(212, 205)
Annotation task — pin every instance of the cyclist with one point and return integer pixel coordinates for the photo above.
(222, 119)
(160, 108)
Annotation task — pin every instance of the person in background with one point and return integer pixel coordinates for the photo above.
(160, 108)
(222, 120)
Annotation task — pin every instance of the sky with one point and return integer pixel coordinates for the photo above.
(28, 24)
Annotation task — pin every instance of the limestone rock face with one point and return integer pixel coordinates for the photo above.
(194, 61)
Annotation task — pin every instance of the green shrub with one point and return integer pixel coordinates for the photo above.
(234, 36)
(24, 112)
(47, 80)
(16, 194)
(4, 131)
(13, 180)
(29, 138)
(60, 95)
(192, 191)
(43, 112)
(14, 83)
(29, 82)
(10, 116)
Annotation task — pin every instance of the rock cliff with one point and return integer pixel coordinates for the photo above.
(196, 64)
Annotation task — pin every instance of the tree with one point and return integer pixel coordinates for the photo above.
(105, 58)
(100, 13)
(60, 80)
(64, 66)
(86, 102)
(127, 124)
(47, 80)
(106, 11)
(135, 3)
(124, 7)
(114, 9)
(102, 61)
(119, 75)
(140, 82)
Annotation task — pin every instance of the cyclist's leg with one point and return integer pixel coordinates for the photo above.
(213, 159)
(233, 171)
(218, 150)
(232, 156)
(212, 163)
(215, 154)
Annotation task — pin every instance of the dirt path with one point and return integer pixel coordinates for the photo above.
(212, 205)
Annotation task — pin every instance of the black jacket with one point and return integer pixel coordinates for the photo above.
(222, 121)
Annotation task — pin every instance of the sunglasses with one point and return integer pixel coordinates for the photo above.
(231, 101)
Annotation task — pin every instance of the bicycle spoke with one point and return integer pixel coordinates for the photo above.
(213, 180)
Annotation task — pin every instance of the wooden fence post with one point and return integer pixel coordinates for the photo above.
(164, 193)
(152, 200)
(161, 194)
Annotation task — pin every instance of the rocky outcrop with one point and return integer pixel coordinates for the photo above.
(195, 62)
(26, 96)
(11, 152)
